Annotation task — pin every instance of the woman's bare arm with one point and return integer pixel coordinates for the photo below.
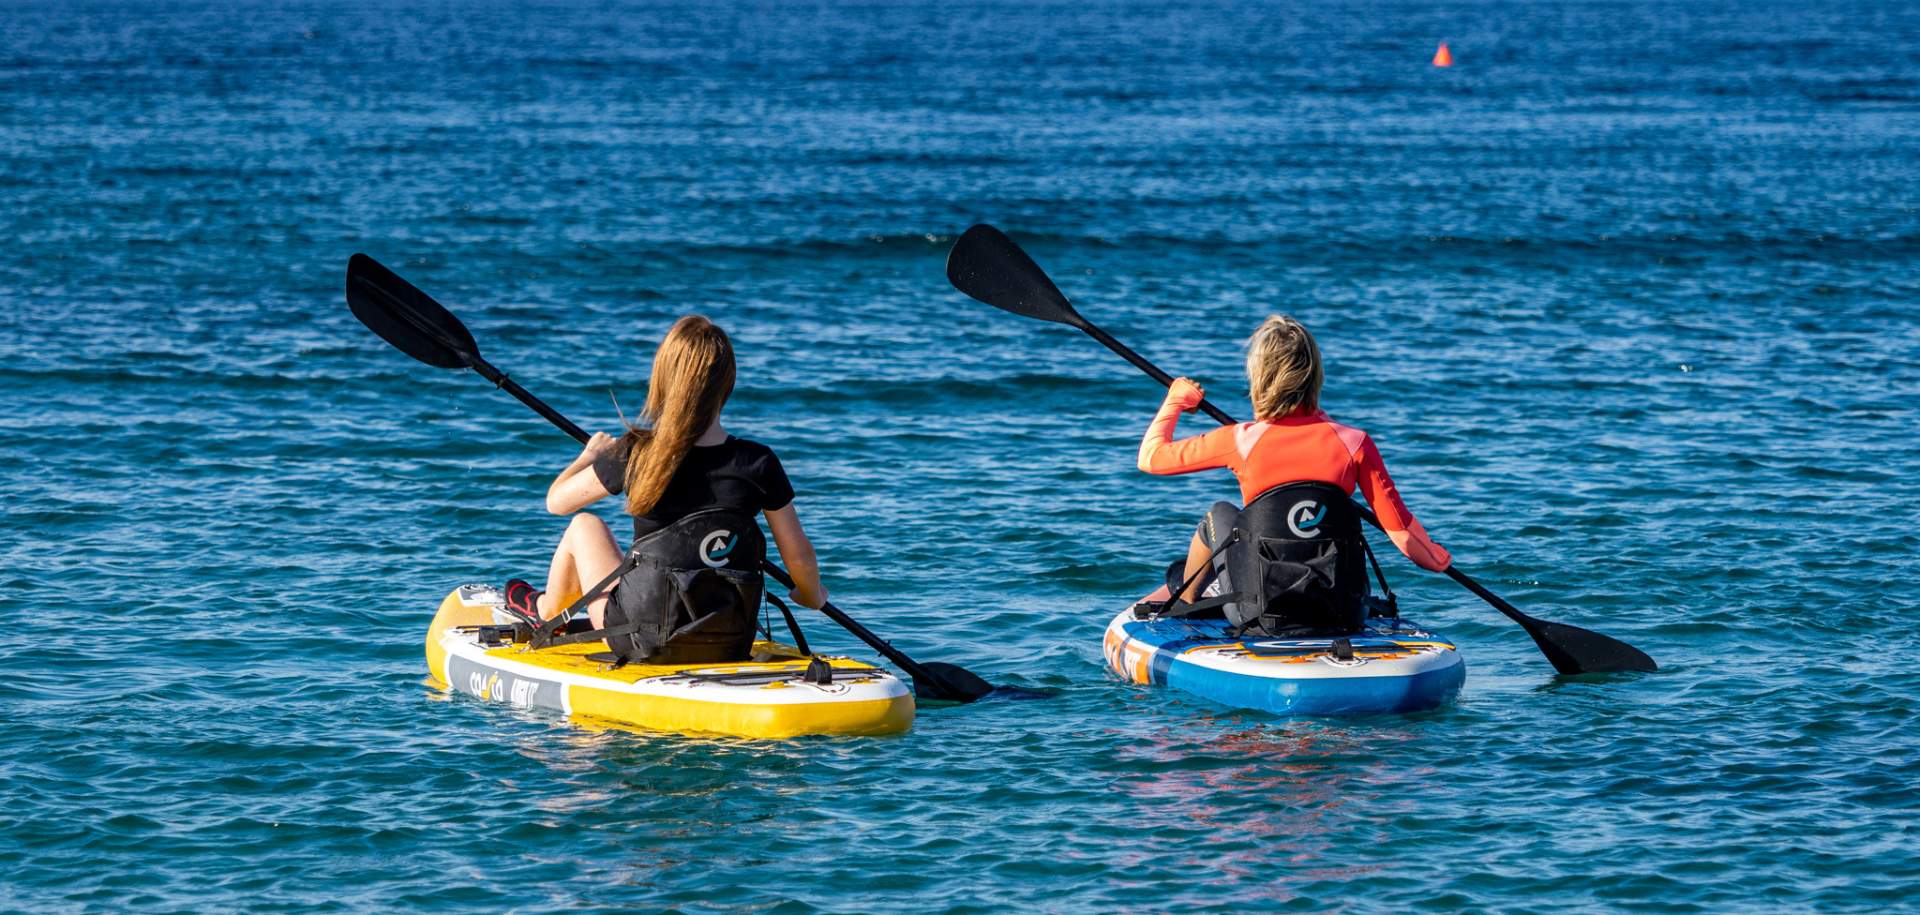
(578, 486)
(796, 552)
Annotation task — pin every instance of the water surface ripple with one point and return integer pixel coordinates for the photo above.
(1626, 297)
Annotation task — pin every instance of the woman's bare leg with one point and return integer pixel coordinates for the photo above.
(1214, 529)
(587, 552)
(1198, 557)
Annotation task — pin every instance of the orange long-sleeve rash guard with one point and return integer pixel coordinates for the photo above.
(1299, 446)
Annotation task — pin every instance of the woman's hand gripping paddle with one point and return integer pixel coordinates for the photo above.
(988, 266)
(422, 328)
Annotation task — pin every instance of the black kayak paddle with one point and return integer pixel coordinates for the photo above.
(986, 265)
(422, 328)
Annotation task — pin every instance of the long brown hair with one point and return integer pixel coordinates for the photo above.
(692, 378)
(1283, 368)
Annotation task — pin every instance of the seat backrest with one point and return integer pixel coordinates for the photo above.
(694, 591)
(1303, 511)
(1301, 558)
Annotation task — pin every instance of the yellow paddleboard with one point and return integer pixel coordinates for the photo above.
(763, 699)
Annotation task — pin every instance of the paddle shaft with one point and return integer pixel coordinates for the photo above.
(504, 383)
(424, 329)
(912, 667)
(1220, 416)
(987, 265)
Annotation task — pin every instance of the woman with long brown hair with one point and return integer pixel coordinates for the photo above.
(680, 461)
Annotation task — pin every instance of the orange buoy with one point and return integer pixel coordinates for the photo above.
(1443, 57)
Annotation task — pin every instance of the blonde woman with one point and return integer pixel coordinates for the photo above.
(680, 462)
(1289, 441)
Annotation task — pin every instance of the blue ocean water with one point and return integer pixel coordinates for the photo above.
(1626, 297)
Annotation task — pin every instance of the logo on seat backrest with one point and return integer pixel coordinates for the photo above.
(1304, 519)
(714, 548)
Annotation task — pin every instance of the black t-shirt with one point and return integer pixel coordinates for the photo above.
(737, 473)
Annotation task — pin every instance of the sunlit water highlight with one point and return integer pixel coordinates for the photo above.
(1626, 295)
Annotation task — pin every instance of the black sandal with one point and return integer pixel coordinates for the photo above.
(523, 600)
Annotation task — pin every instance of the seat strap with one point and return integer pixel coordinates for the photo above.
(1176, 608)
(629, 629)
(546, 631)
(793, 625)
(1380, 576)
(593, 635)
(1182, 608)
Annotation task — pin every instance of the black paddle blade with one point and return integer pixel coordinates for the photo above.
(988, 266)
(1573, 650)
(949, 683)
(406, 317)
